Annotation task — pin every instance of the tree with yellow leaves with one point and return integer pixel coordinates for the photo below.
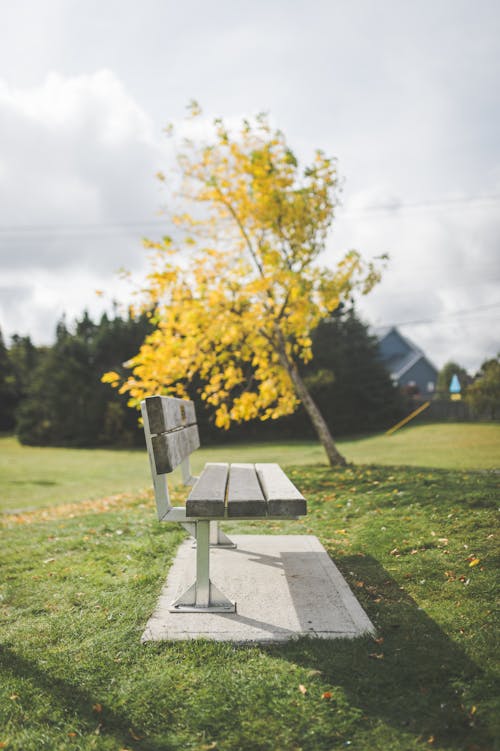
(236, 295)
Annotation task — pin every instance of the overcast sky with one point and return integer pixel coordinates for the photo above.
(404, 94)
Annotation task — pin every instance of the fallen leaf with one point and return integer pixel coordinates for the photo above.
(49, 560)
(376, 655)
(134, 735)
(4, 744)
(72, 735)
(380, 640)
(474, 562)
(326, 695)
(302, 689)
(97, 707)
(430, 739)
(14, 697)
(312, 673)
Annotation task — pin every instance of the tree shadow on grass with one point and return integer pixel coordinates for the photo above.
(75, 701)
(410, 675)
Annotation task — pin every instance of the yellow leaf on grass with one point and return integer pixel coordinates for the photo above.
(474, 562)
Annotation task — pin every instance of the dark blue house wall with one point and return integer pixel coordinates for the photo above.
(423, 375)
(407, 363)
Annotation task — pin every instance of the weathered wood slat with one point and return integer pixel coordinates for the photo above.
(244, 494)
(169, 413)
(169, 449)
(283, 498)
(207, 498)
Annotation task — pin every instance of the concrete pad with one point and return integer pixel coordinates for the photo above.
(285, 586)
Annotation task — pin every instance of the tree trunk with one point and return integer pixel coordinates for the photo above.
(323, 431)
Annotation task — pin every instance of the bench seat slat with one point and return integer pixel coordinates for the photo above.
(283, 498)
(244, 494)
(207, 498)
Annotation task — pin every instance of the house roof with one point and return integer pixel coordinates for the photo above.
(400, 363)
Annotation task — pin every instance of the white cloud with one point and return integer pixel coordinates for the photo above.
(78, 168)
(403, 94)
(443, 269)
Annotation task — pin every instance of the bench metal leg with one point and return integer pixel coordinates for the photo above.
(218, 538)
(203, 596)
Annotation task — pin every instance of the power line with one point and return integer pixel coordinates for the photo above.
(112, 227)
(465, 311)
(92, 228)
(477, 201)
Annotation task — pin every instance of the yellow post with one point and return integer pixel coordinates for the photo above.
(407, 419)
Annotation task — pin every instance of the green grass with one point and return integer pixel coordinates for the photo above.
(76, 592)
(443, 445)
(31, 477)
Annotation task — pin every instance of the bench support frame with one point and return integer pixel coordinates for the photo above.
(254, 491)
(203, 596)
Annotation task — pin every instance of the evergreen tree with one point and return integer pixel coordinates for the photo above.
(66, 404)
(8, 394)
(352, 387)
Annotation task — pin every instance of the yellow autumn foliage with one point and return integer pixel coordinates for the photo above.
(236, 295)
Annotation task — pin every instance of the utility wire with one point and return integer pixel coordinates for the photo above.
(111, 227)
(479, 201)
(465, 311)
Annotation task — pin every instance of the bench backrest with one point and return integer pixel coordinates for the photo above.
(170, 425)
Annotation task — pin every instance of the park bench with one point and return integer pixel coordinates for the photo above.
(221, 492)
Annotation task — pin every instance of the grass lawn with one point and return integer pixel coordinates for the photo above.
(31, 477)
(444, 445)
(417, 546)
